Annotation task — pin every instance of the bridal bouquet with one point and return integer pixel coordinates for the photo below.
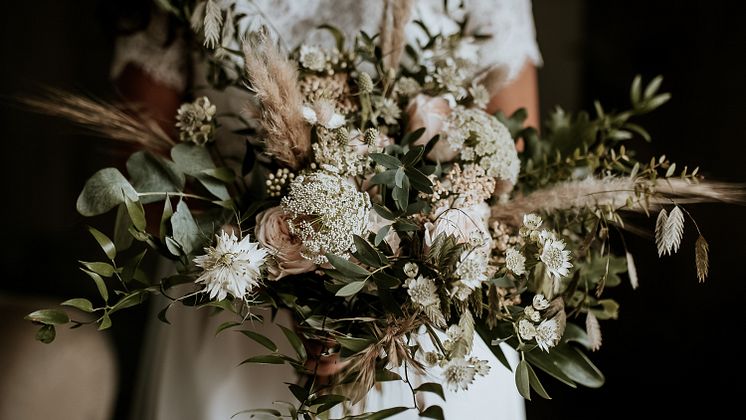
(380, 204)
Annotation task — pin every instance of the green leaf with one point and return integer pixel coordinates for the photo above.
(652, 87)
(399, 177)
(130, 300)
(295, 341)
(536, 384)
(100, 284)
(354, 344)
(191, 159)
(385, 375)
(433, 412)
(384, 414)
(131, 266)
(385, 160)
(225, 175)
(122, 223)
(150, 173)
(267, 359)
(300, 393)
(351, 288)
(162, 314)
(384, 212)
(347, 268)
(413, 156)
(381, 234)
(48, 317)
(103, 191)
(522, 381)
(185, 230)
(433, 387)
(401, 194)
(419, 181)
(573, 363)
(46, 334)
(367, 254)
(104, 242)
(635, 93)
(261, 339)
(84, 305)
(270, 411)
(105, 322)
(226, 325)
(412, 136)
(136, 213)
(102, 268)
(544, 362)
(338, 35)
(386, 177)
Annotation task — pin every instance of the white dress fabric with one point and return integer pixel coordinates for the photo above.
(188, 373)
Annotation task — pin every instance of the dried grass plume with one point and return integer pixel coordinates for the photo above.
(274, 79)
(392, 34)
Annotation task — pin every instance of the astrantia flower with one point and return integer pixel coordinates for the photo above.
(422, 291)
(515, 261)
(195, 121)
(312, 57)
(482, 367)
(231, 267)
(526, 329)
(472, 270)
(532, 221)
(532, 313)
(411, 269)
(556, 258)
(540, 302)
(548, 334)
(388, 110)
(458, 374)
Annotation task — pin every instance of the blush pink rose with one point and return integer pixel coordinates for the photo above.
(273, 233)
(431, 113)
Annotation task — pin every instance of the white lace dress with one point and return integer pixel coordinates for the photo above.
(188, 373)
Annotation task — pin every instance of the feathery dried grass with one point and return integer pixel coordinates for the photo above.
(114, 121)
(274, 79)
(614, 191)
(392, 36)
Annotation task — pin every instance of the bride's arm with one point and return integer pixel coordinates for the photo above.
(521, 92)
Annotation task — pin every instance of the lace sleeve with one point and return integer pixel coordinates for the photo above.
(510, 24)
(149, 50)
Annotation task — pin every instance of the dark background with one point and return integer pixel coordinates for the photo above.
(674, 349)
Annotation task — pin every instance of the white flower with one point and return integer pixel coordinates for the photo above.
(422, 291)
(532, 221)
(231, 267)
(472, 270)
(312, 57)
(543, 236)
(532, 313)
(195, 121)
(526, 329)
(547, 334)
(556, 258)
(482, 367)
(515, 261)
(432, 358)
(479, 95)
(458, 374)
(411, 269)
(540, 302)
(325, 211)
(323, 112)
(388, 110)
(462, 223)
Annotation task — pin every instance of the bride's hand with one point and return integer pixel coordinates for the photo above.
(323, 358)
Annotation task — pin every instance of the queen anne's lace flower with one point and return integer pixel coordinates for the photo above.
(195, 121)
(325, 212)
(556, 258)
(493, 147)
(515, 261)
(232, 267)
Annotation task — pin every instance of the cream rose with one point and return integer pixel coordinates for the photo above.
(273, 233)
(431, 113)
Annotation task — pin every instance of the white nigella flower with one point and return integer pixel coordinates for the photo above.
(526, 329)
(422, 291)
(231, 267)
(532, 313)
(458, 374)
(540, 302)
(312, 57)
(556, 258)
(323, 112)
(547, 334)
(515, 261)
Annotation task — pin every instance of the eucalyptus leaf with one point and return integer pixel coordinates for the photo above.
(84, 305)
(347, 268)
(46, 334)
(522, 380)
(367, 254)
(103, 191)
(122, 223)
(385, 160)
(351, 289)
(137, 214)
(185, 230)
(150, 173)
(104, 242)
(48, 317)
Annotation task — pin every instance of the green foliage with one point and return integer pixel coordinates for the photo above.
(103, 191)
